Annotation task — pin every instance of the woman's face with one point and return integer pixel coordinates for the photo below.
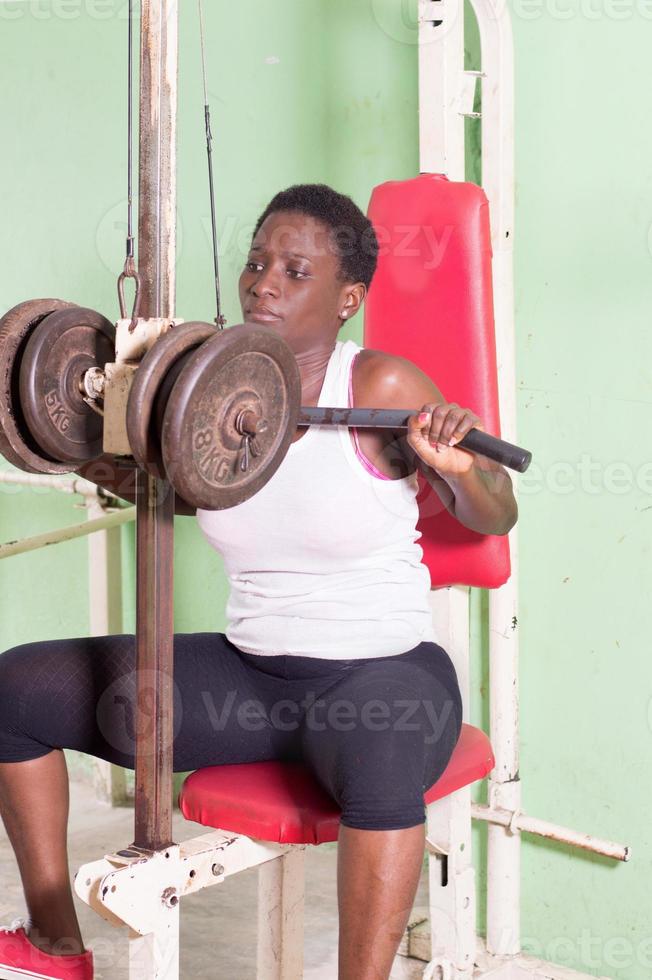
(290, 282)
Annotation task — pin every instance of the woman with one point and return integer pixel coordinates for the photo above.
(329, 626)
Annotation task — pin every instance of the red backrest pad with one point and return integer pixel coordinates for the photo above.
(431, 301)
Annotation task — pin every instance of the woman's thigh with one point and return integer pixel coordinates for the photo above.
(81, 694)
(382, 735)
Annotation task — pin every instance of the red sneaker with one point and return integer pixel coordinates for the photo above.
(21, 960)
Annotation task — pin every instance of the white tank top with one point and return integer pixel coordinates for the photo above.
(323, 561)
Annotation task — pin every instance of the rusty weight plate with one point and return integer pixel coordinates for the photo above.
(16, 441)
(244, 368)
(57, 355)
(151, 387)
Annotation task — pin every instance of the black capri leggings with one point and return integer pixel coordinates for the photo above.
(376, 732)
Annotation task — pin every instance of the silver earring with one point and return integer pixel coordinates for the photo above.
(344, 314)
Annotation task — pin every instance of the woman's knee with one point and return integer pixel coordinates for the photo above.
(16, 679)
(378, 742)
(16, 674)
(50, 693)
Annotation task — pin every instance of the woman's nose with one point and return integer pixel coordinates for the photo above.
(266, 284)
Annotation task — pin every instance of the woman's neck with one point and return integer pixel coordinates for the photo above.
(312, 368)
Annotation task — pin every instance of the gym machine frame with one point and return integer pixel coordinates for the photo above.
(446, 97)
(142, 885)
(102, 528)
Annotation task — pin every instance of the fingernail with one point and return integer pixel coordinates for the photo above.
(453, 441)
(424, 416)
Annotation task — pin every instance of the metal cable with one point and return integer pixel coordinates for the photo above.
(130, 71)
(129, 271)
(220, 320)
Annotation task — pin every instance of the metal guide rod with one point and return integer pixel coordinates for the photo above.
(20, 547)
(220, 319)
(155, 498)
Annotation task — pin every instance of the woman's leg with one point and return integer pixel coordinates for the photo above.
(80, 694)
(34, 808)
(376, 740)
(378, 875)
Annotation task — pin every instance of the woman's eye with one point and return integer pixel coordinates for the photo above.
(252, 266)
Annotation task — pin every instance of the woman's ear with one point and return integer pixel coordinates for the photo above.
(351, 300)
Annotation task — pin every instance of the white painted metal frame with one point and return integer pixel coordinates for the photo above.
(104, 578)
(446, 94)
(144, 891)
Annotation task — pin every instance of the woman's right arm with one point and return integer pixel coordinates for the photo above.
(121, 481)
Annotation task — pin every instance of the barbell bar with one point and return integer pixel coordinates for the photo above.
(475, 440)
(232, 411)
(214, 412)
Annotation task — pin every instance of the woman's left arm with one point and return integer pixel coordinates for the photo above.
(479, 490)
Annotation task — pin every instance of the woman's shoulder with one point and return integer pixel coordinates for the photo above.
(381, 378)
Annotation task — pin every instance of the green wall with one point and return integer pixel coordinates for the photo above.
(310, 90)
(584, 352)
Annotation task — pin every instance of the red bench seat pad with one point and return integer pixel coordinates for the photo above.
(283, 802)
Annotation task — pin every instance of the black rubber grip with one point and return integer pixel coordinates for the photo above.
(497, 449)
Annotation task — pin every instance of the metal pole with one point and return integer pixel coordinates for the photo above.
(504, 789)
(47, 538)
(544, 828)
(105, 619)
(441, 64)
(155, 498)
(83, 487)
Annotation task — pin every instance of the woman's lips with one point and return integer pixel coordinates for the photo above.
(262, 316)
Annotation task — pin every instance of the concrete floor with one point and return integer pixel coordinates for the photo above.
(218, 925)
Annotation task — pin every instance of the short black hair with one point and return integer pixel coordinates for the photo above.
(351, 231)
